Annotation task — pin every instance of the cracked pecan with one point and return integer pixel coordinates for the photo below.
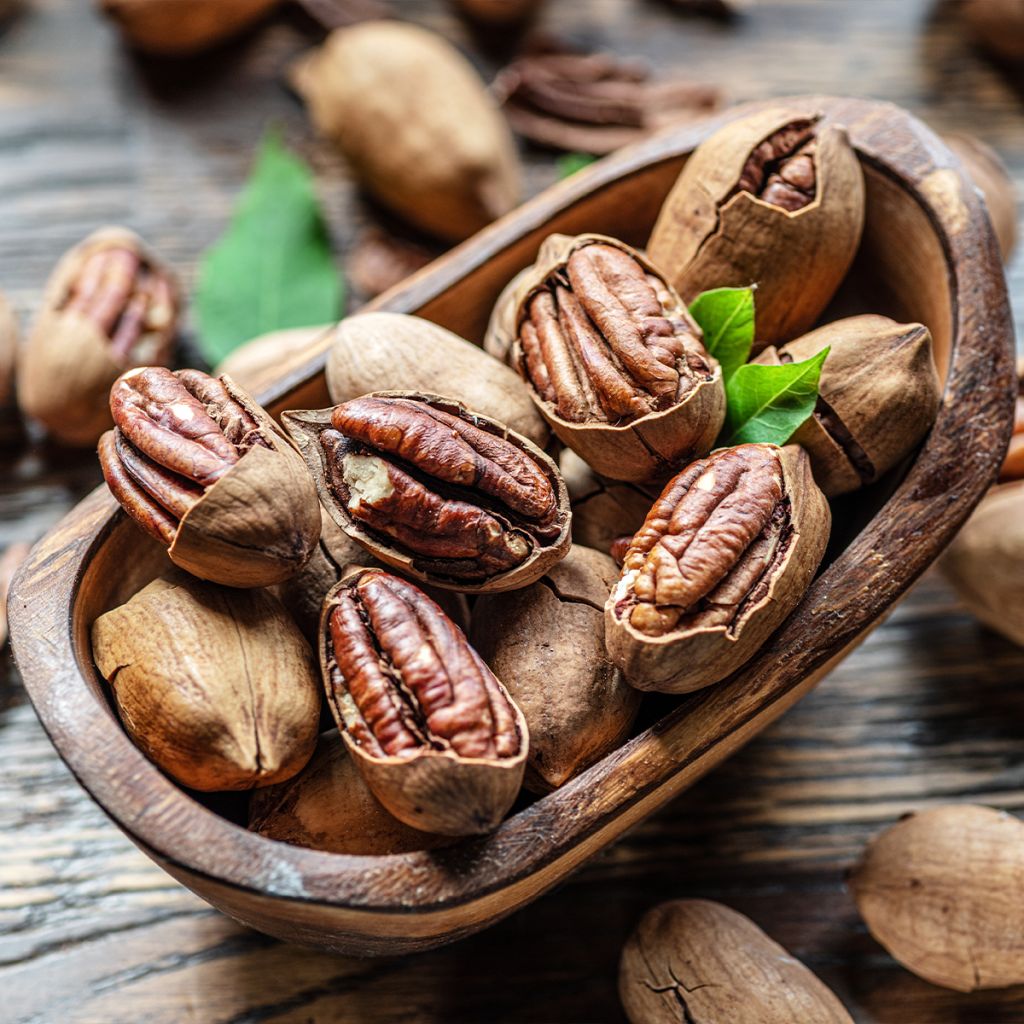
(435, 734)
(774, 198)
(181, 460)
(724, 555)
(605, 346)
(452, 497)
(110, 305)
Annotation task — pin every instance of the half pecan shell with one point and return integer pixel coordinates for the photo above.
(725, 554)
(434, 733)
(614, 360)
(450, 497)
(110, 304)
(207, 473)
(776, 199)
(878, 396)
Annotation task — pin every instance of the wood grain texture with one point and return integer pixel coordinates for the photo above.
(928, 710)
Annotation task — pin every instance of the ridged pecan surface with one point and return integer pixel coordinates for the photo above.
(781, 170)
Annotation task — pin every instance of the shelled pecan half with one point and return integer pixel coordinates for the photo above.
(206, 472)
(725, 554)
(110, 304)
(614, 360)
(776, 199)
(449, 496)
(434, 733)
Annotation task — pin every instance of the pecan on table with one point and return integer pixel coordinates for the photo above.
(436, 735)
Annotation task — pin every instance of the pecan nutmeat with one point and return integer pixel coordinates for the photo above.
(781, 170)
(604, 341)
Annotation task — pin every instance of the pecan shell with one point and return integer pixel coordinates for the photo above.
(1013, 464)
(614, 360)
(205, 472)
(775, 198)
(546, 644)
(450, 497)
(878, 396)
(434, 733)
(109, 305)
(725, 554)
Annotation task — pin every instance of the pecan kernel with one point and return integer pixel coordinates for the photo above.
(781, 170)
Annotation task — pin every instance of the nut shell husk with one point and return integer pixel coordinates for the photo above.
(375, 351)
(998, 25)
(65, 368)
(265, 359)
(259, 523)
(704, 238)
(684, 660)
(500, 336)
(694, 960)
(546, 644)
(985, 561)
(329, 807)
(305, 426)
(216, 686)
(434, 791)
(880, 380)
(990, 174)
(416, 123)
(179, 28)
(649, 447)
(939, 891)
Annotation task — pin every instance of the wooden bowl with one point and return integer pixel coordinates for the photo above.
(928, 254)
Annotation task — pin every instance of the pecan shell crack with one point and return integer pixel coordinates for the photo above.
(781, 170)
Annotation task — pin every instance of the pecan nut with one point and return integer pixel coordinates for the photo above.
(205, 472)
(109, 305)
(878, 396)
(775, 198)
(725, 554)
(449, 496)
(434, 733)
(614, 360)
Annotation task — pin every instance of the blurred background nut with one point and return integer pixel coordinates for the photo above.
(990, 174)
(940, 891)
(9, 340)
(998, 25)
(109, 305)
(498, 13)
(178, 28)
(329, 807)
(416, 123)
(267, 358)
(694, 960)
(546, 644)
(215, 685)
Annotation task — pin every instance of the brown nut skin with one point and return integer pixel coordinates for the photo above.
(713, 233)
(255, 524)
(243, 714)
(545, 543)
(95, 324)
(375, 351)
(998, 25)
(694, 960)
(416, 123)
(180, 28)
(879, 394)
(329, 807)
(938, 890)
(546, 644)
(762, 526)
(671, 418)
(263, 360)
(990, 174)
(435, 735)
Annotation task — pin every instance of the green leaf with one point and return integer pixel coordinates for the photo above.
(573, 162)
(272, 268)
(726, 316)
(770, 403)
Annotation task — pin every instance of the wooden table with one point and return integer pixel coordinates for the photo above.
(929, 710)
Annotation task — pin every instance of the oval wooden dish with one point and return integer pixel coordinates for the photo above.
(928, 254)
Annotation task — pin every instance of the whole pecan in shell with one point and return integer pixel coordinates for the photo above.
(434, 733)
(204, 471)
(614, 360)
(109, 305)
(776, 199)
(450, 497)
(877, 397)
(725, 554)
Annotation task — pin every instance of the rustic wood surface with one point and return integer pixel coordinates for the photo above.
(929, 710)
